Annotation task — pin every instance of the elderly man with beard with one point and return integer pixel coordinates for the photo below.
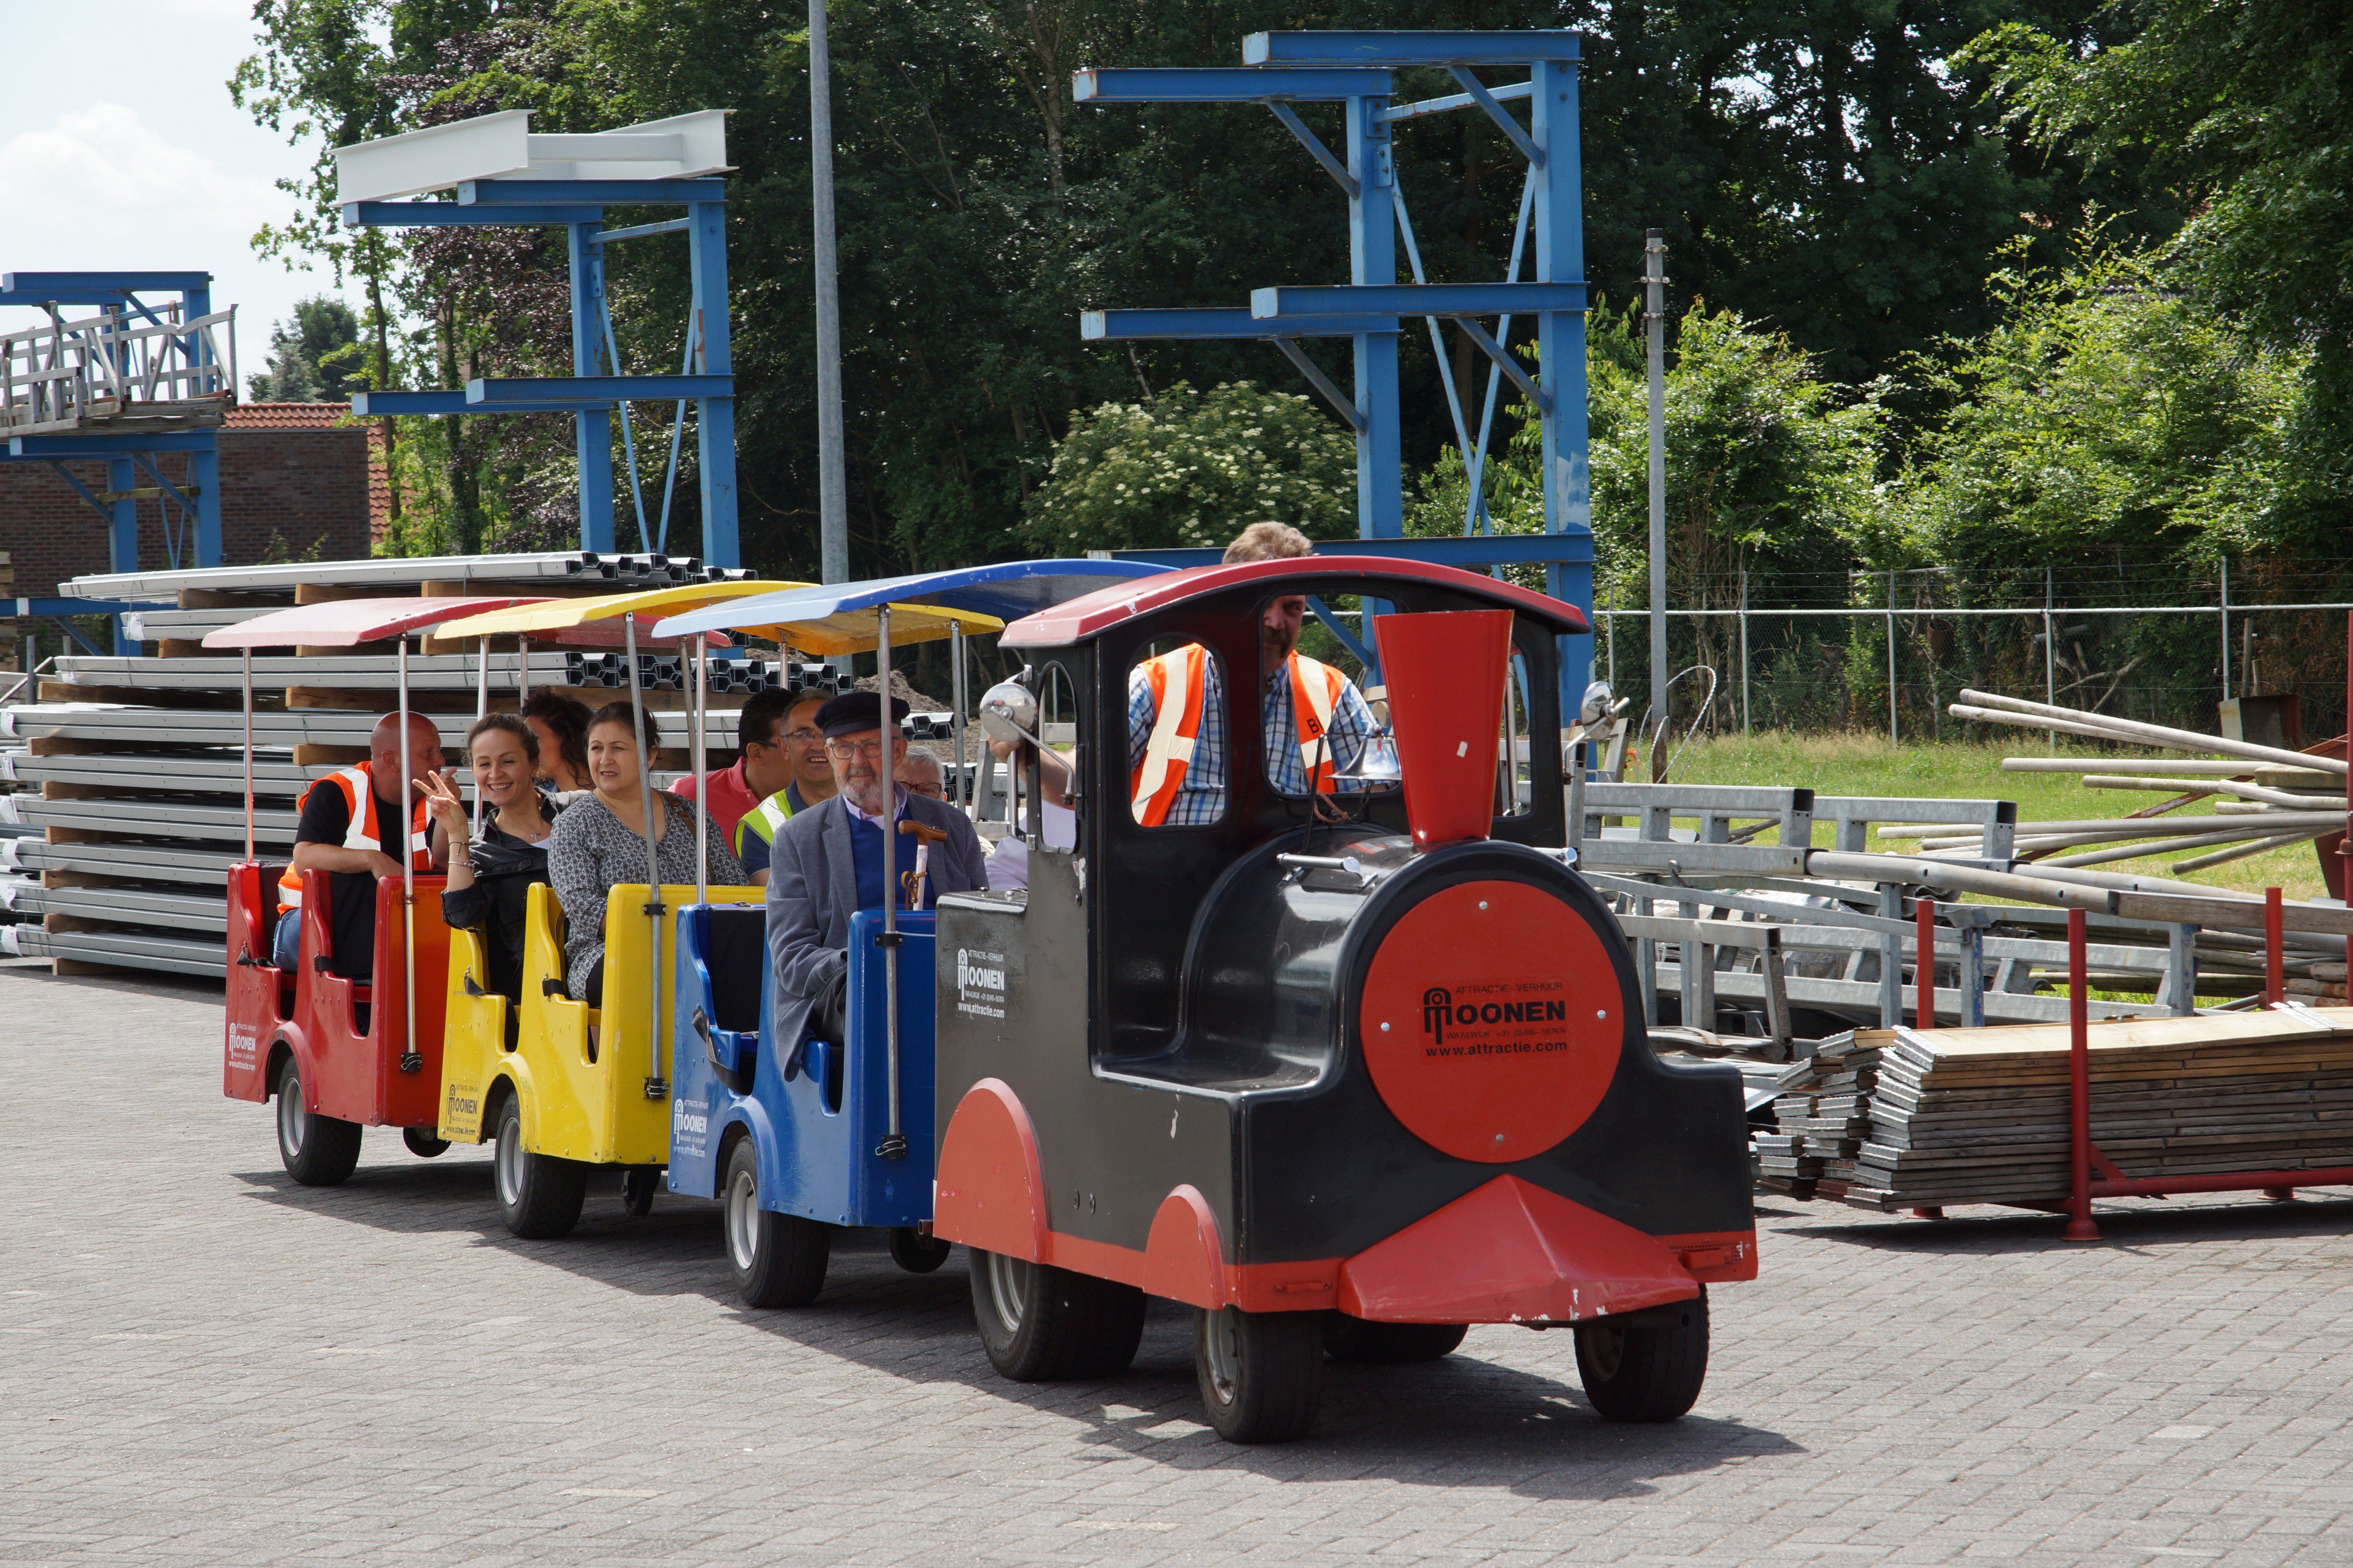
(827, 865)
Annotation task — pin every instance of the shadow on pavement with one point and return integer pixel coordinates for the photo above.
(1463, 1421)
(2137, 1224)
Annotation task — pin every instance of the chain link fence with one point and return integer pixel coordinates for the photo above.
(1887, 651)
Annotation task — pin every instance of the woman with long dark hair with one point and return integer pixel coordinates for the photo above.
(560, 725)
(489, 886)
(599, 842)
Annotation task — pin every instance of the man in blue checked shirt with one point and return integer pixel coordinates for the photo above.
(1314, 720)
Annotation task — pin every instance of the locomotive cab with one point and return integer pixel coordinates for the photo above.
(1346, 1062)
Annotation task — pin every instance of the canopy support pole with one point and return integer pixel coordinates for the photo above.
(248, 753)
(894, 1141)
(701, 706)
(481, 712)
(957, 792)
(656, 1082)
(410, 1060)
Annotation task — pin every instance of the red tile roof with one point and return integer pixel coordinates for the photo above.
(287, 416)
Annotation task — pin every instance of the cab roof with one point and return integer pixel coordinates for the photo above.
(1093, 614)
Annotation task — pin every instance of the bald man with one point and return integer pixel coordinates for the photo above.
(351, 828)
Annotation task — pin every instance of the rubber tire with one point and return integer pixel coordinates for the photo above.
(1065, 1326)
(1266, 1387)
(539, 1196)
(1362, 1343)
(916, 1253)
(786, 1253)
(1645, 1366)
(424, 1142)
(638, 1184)
(326, 1149)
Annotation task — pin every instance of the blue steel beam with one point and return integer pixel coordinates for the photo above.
(92, 288)
(37, 607)
(1408, 48)
(1222, 84)
(381, 405)
(1120, 326)
(709, 334)
(597, 192)
(672, 226)
(491, 394)
(1466, 550)
(1508, 92)
(420, 214)
(1289, 303)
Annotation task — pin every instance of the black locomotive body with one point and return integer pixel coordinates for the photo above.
(1339, 1086)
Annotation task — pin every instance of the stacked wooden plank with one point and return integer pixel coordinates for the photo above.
(1963, 1115)
(1822, 1118)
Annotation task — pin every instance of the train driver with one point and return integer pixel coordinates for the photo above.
(827, 865)
(1315, 722)
(346, 827)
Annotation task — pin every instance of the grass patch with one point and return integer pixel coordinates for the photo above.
(1862, 764)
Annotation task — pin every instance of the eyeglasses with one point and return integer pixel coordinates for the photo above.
(804, 735)
(870, 750)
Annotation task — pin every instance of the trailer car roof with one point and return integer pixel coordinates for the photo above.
(347, 623)
(1087, 616)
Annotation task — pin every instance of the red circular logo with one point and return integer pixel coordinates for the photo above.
(1491, 1021)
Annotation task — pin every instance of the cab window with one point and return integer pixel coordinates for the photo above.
(1050, 814)
(1176, 735)
(1314, 706)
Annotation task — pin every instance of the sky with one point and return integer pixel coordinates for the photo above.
(119, 149)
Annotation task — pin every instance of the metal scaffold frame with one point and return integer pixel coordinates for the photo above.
(143, 378)
(503, 173)
(1354, 70)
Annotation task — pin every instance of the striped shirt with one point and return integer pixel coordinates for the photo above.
(1201, 797)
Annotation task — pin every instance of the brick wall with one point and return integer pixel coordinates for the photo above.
(293, 485)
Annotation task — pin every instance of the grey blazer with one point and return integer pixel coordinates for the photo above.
(813, 891)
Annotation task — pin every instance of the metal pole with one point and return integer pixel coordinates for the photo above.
(410, 1061)
(2080, 1226)
(702, 707)
(2051, 656)
(481, 712)
(2224, 600)
(657, 1085)
(1654, 322)
(958, 793)
(1743, 650)
(1893, 738)
(1924, 1013)
(833, 488)
(894, 1143)
(249, 753)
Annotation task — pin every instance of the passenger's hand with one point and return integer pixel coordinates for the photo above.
(382, 864)
(441, 799)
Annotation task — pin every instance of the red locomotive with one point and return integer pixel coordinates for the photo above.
(1344, 1070)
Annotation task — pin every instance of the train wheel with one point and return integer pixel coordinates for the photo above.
(1347, 1339)
(424, 1142)
(1261, 1373)
(1647, 1366)
(538, 1195)
(318, 1150)
(638, 1185)
(778, 1259)
(1044, 1324)
(915, 1252)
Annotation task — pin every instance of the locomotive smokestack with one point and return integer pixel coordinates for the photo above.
(1445, 670)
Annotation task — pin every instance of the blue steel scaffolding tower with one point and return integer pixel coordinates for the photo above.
(144, 378)
(1354, 70)
(503, 173)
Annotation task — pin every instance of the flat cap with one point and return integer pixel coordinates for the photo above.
(854, 712)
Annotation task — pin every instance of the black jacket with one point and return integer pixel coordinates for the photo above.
(504, 869)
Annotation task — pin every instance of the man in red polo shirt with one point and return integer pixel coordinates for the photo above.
(782, 750)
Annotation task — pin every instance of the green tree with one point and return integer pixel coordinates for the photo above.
(2242, 106)
(1194, 469)
(314, 357)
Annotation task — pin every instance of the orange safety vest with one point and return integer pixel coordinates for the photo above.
(359, 794)
(1315, 690)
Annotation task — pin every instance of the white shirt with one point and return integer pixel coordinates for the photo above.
(1009, 865)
